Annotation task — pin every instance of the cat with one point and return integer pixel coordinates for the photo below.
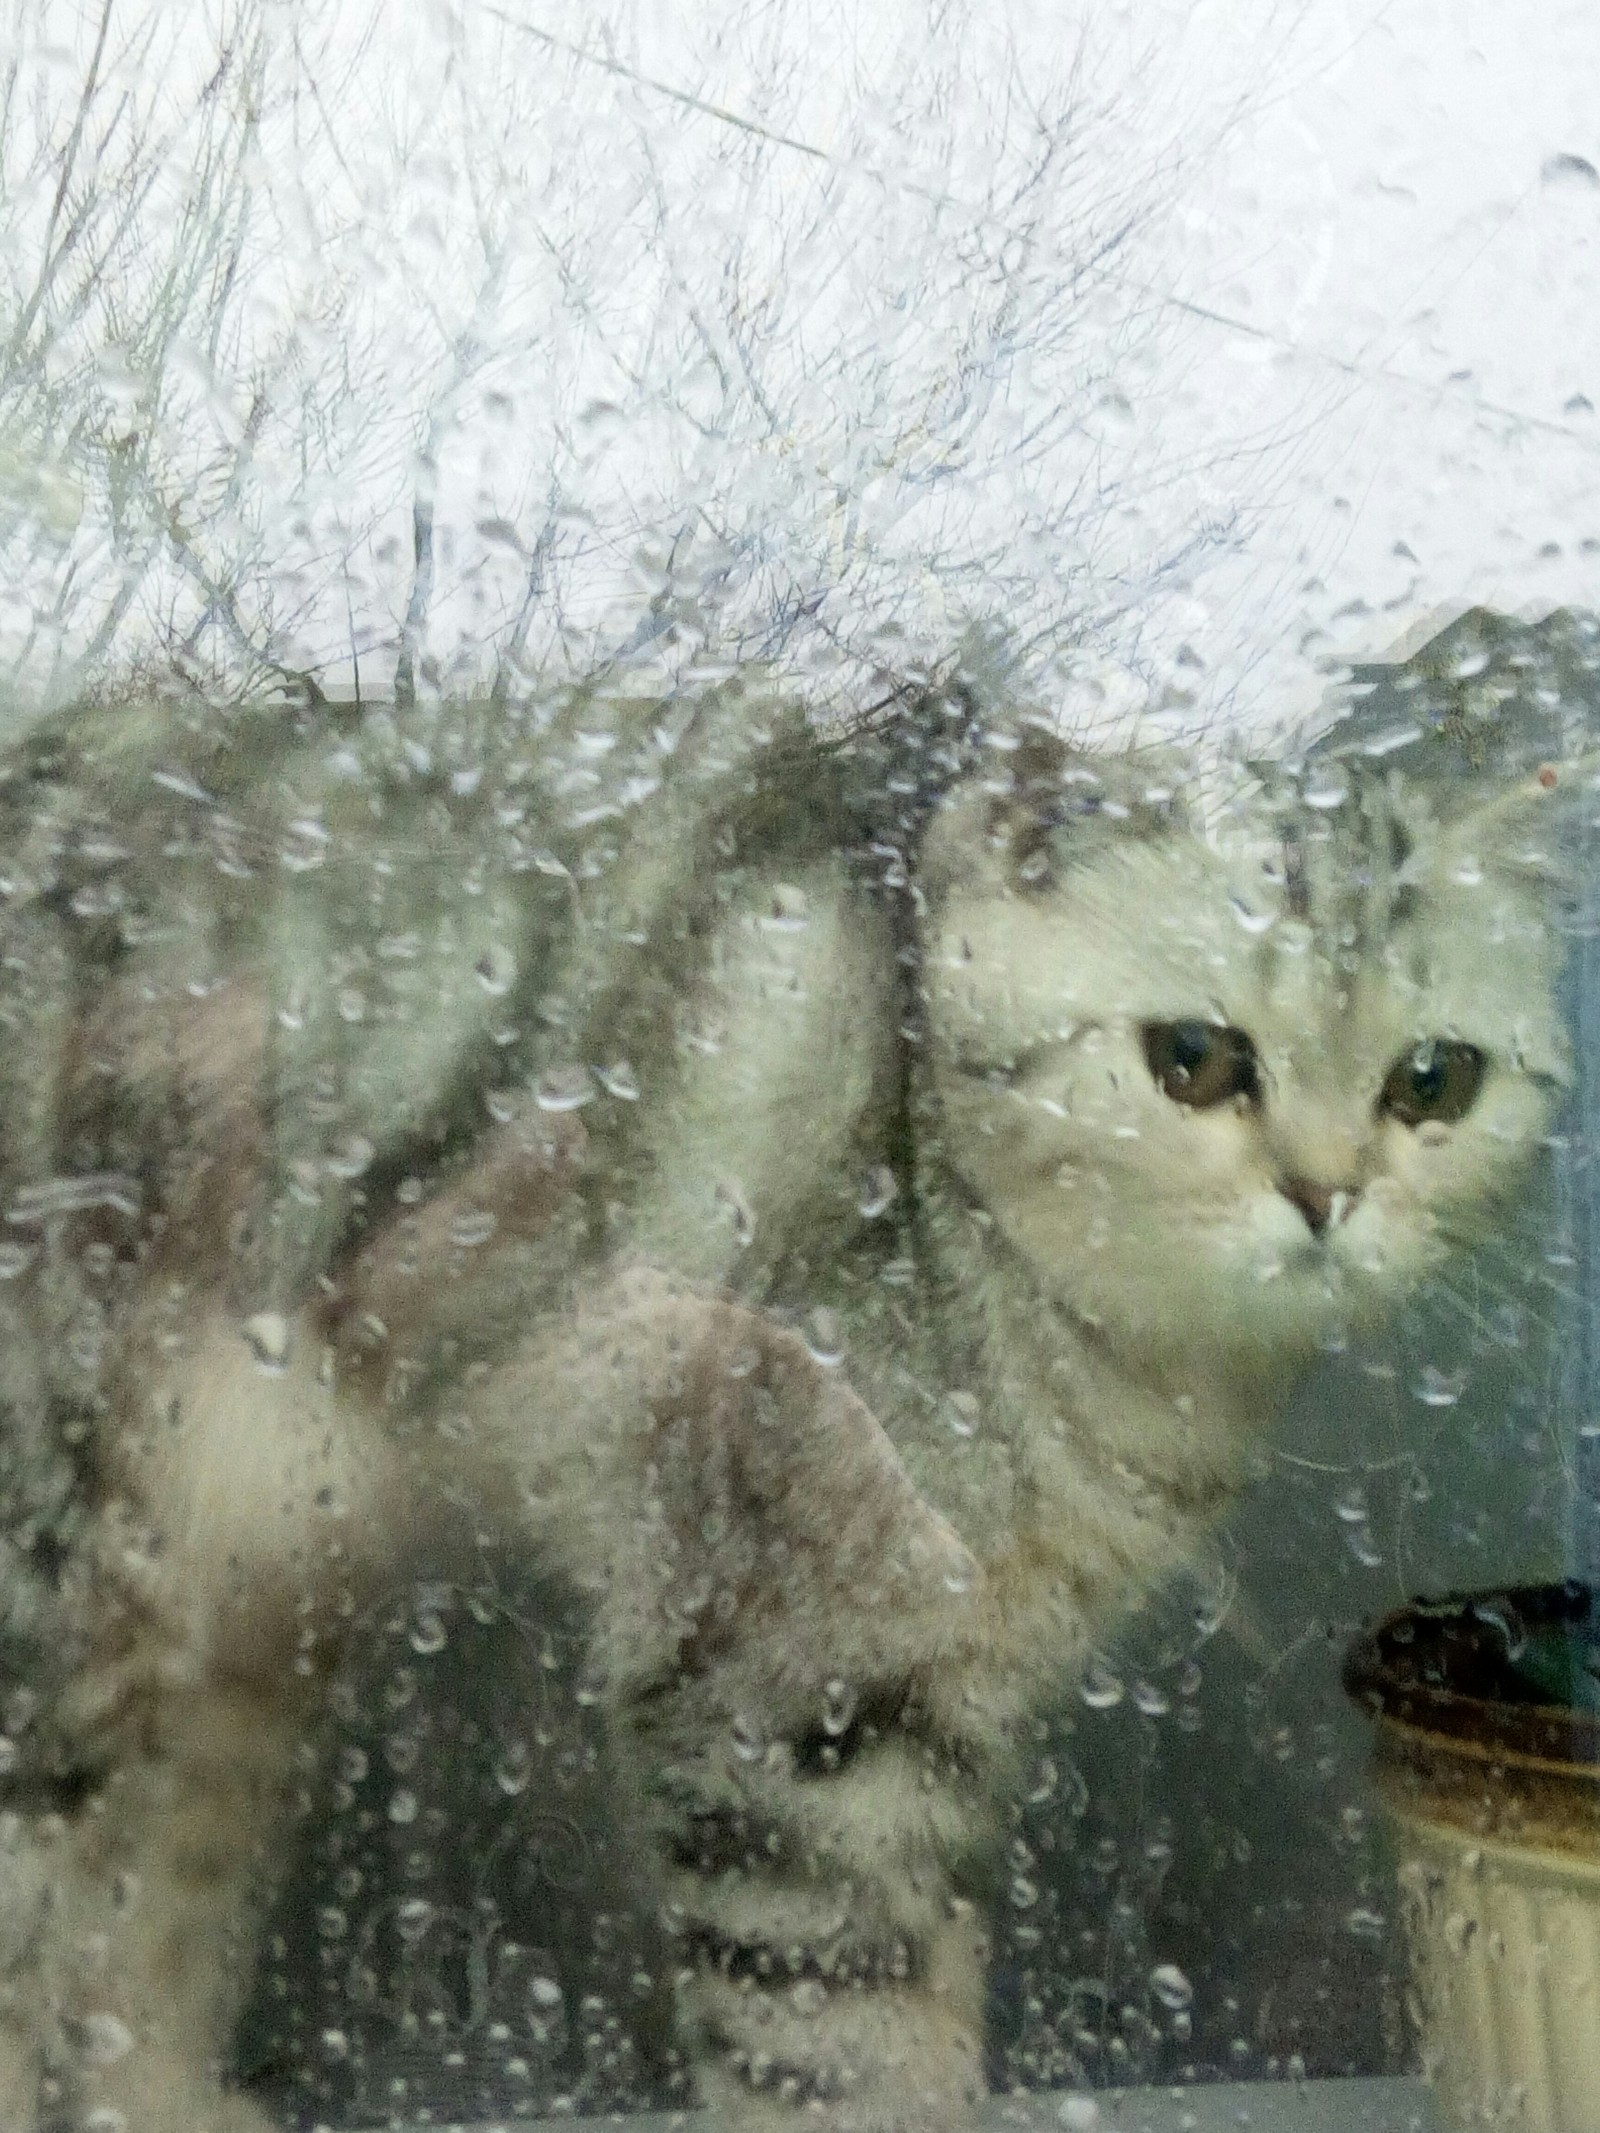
(844, 1199)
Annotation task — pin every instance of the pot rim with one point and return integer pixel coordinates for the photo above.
(1400, 1670)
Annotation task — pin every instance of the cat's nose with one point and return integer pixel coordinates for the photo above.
(1322, 1205)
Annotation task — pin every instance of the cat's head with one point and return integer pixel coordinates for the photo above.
(1229, 1092)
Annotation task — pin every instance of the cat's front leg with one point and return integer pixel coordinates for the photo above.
(241, 1520)
(124, 2015)
(786, 1635)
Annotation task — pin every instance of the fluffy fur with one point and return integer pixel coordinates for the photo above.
(743, 1167)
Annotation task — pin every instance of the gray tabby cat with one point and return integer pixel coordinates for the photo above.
(845, 1202)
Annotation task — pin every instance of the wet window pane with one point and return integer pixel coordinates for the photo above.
(800, 1003)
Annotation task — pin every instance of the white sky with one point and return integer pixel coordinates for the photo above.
(1364, 188)
(1428, 310)
(1374, 326)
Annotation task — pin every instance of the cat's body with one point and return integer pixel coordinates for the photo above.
(844, 1206)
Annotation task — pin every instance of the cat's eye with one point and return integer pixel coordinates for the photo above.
(1201, 1064)
(1436, 1080)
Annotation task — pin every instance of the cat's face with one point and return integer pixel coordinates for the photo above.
(1229, 1099)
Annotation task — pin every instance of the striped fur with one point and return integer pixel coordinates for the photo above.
(727, 1161)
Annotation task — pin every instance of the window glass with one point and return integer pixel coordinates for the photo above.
(797, 974)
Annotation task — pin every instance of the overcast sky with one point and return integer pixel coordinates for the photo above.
(1374, 241)
(1354, 335)
(1406, 222)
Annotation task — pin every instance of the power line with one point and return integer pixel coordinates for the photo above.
(1189, 307)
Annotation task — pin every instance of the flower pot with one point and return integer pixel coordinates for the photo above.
(1488, 1759)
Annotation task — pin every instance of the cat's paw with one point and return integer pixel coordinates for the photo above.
(914, 2110)
(881, 2064)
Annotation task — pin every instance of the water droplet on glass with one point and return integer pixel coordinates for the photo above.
(472, 1227)
(748, 1744)
(1100, 1688)
(824, 1338)
(96, 900)
(1468, 871)
(403, 1807)
(1506, 1623)
(1326, 791)
(1169, 1985)
(731, 1197)
(1045, 1780)
(1382, 744)
(1571, 170)
(544, 1992)
(1351, 1507)
(589, 1690)
(305, 847)
(961, 1413)
(1358, 1539)
(400, 1752)
(335, 2045)
(14, 1260)
(1024, 1893)
(414, 1917)
(428, 1634)
(268, 1335)
(1439, 1388)
(838, 1708)
(352, 1005)
(513, 1768)
(1211, 1608)
(1364, 1924)
(352, 1158)
(879, 1192)
(353, 1765)
(74, 1195)
(619, 1080)
(1152, 1701)
(496, 970)
(1079, 2113)
(564, 1088)
(106, 2038)
(1253, 922)
(788, 912)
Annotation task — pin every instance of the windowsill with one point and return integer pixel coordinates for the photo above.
(1226, 2107)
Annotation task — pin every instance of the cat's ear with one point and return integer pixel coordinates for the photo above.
(1530, 827)
(1035, 806)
